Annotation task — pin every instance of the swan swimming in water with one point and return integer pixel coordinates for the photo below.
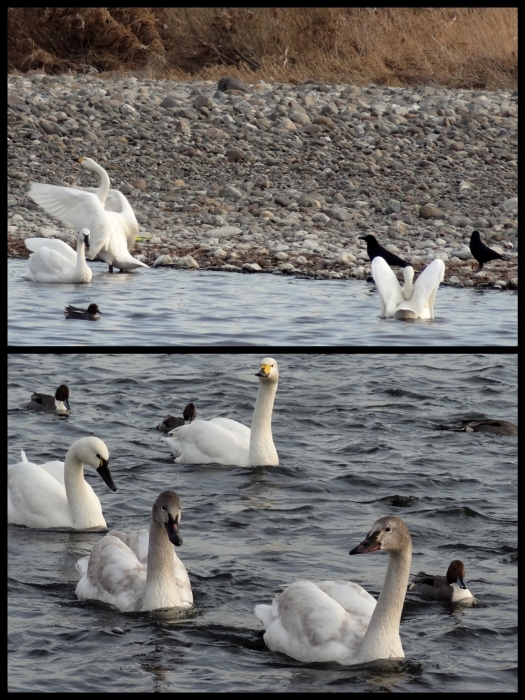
(450, 588)
(338, 620)
(52, 260)
(415, 300)
(226, 441)
(55, 494)
(107, 213)
(139, 571)
(59, 403)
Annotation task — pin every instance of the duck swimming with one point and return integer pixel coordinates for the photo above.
(59, 403)
(450, 588)
(92, 313)
(170, 422)
(485, 425)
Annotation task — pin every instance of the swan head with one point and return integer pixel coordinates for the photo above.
(88, 163)
(93, 452)
(190, 412)
(408, 273)
(167, 512)
(62, 394)
(268, 372)
(456, 573)
(83, 237)
(389, 533)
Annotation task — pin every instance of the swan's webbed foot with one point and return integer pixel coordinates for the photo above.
(111, 268)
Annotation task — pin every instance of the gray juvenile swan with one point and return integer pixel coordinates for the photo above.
(338, 620)
(450, 588)
(226, 441)
(59, 403)
(55, 494)
(139, 570)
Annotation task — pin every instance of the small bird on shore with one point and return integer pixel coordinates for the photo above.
(374, 250)
(482, 252)
(92, 313)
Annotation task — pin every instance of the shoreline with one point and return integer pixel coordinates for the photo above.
(277, 178)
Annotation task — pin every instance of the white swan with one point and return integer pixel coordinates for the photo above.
(107, 213)
(56, 494)
(414, 300)
(225, 441)
(59, 403)
(450, 588)
(53, 260)
(139, 570)
(339, 620)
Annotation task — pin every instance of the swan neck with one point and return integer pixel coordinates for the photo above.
(78, 496)
(382, 638)
(81, 254)
(103, 189)
(262, 449)
(161, 589)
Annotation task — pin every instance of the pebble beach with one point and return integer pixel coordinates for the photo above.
(273, 177)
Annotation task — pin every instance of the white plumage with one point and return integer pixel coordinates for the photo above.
(411, 301)
(55, 494)
(107, 213)
(53, 260)
(226, 441)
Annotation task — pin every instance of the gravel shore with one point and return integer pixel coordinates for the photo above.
(276, 178)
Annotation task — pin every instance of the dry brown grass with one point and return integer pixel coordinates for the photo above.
(455, 47)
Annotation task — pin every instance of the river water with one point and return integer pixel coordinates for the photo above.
(176, 307)
(355, 438)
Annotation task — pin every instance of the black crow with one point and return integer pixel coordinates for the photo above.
(482, 252)
(375, 250)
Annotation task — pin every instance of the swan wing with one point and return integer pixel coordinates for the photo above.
(118, 202)
(352, 597)
(36, 244)
(425, 287)
(387, 285)
(242, 432)
(113, 575)
(36, 498)
(56, 469)
(137, 541)
(73, 206)
(307, 624)
(206, 442)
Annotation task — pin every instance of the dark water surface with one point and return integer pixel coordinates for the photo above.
(355, 442)
(177, 307)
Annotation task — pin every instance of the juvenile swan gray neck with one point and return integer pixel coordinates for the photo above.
(161, 587)
(262, 450)
(382, 640)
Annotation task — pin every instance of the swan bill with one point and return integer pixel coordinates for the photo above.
(104, 472)
(369, 544)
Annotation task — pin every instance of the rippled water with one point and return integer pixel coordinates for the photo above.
(355, 442)
(176, 307)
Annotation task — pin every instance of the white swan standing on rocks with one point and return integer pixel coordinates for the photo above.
(55, 494)
(225, 441)
(338, 620)
(107, 213)
(52, 260)
(414, 300)
(140, 570)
